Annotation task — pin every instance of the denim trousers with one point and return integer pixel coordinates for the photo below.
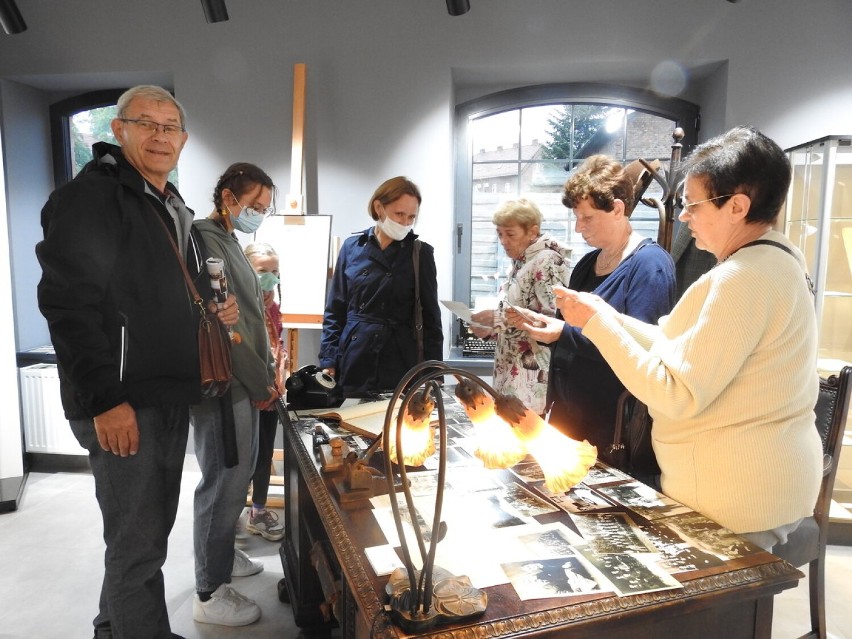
(221, 494)
(138, 497)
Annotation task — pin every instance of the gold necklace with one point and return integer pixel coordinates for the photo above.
(607, 264)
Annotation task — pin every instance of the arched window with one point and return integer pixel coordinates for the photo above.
(524, 142)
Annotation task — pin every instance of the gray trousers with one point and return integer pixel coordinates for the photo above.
(138, 497)
(221, 494)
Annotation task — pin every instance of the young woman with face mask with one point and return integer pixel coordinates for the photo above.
(243, 197)
(368, 340)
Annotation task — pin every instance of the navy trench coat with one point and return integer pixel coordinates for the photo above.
(368, 325)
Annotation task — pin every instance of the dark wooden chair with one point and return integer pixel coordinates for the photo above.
(806, 545)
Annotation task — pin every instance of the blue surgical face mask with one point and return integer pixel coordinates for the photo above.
(268, 281)
(248, 221)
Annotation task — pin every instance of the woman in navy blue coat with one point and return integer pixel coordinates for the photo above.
(368, 338)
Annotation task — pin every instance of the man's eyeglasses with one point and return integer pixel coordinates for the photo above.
(687, 206)
(151, 127)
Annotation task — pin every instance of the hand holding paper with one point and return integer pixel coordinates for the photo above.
(461, 310)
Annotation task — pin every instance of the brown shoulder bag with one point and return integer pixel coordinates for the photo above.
(214, 343)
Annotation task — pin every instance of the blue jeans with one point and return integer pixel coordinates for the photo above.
(221, 494)
(138, 497)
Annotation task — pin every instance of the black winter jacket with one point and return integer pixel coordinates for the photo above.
(120, 317)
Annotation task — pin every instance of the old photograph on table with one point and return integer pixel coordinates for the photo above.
(556, 577)
(525, 502)
(611, 533)
(710, 536)
(631, 573)
(676, 554)
(550, 541)
(528, 471)
(599, 474)
(580, 499)
(421, 517)
(643, 500)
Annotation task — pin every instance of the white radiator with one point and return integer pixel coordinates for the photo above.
(45, 428)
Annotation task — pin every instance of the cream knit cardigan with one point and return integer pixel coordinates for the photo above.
(730, 380)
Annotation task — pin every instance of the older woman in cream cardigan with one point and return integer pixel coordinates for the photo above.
(730, 375)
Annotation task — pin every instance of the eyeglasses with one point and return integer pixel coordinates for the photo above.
(687, 206)
(269, 210)
(150, 127)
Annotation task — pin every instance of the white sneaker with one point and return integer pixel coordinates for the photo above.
(226, 607)
(240, 534)
(244, 566)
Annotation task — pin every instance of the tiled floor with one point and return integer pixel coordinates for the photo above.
(51, 554)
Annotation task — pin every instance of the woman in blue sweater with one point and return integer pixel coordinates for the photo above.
(632, 273)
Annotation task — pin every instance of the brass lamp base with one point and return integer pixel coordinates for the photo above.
(453, 599)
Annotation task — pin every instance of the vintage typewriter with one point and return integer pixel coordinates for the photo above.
(471, 345)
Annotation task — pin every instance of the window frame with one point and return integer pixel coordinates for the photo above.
(60, 115)
(684, 113)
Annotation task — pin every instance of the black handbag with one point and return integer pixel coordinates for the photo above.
(418, 306)
(631, 449)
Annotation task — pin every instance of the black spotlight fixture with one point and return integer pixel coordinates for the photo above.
(215, 10)
(10, 18)
(458, 7)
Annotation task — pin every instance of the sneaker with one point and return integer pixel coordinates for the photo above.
(226, 607)
(266, 525)
(244, 566)
(240, 534)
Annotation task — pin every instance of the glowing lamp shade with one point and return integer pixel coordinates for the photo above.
(498, 445)
(417, 433)
(564, 461)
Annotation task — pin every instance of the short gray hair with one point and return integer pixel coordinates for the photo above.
(522, 212)
(150, 92)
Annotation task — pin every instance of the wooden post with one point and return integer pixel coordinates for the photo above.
(295, 200)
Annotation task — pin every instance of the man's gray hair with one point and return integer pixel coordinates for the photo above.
(150, 92)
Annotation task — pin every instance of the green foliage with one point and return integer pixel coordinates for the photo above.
(93, 126)
(571, 128)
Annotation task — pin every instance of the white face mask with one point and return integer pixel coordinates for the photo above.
(392, 229)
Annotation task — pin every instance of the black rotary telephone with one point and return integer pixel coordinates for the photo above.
(309, 387)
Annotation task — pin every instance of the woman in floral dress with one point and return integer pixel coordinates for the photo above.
(538, 263)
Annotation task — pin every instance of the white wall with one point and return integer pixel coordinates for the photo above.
(11, 462)
(384, 77)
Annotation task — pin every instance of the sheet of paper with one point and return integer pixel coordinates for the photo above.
(460, 309)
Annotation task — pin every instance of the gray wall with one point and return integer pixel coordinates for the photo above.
(383, 79)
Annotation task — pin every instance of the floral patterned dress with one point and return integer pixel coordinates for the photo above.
(520, 364)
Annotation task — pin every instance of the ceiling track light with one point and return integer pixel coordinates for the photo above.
(458, 7)
(10, 18)
(215, 10)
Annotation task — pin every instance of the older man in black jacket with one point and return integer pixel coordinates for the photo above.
(124, 328)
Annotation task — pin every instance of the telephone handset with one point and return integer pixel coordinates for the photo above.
(309, 387)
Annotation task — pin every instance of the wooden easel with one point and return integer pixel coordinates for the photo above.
(294, 205)
(295, 199)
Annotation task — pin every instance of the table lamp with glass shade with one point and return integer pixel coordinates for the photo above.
(506, 431)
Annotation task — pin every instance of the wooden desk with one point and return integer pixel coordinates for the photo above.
(730, 602)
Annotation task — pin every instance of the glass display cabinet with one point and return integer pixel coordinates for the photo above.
(818, 219)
